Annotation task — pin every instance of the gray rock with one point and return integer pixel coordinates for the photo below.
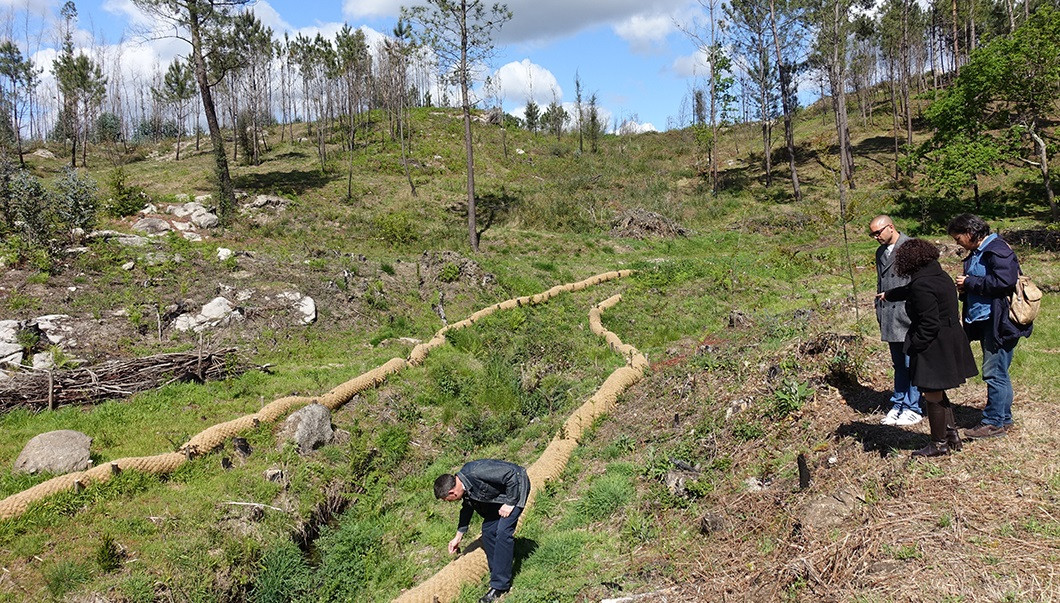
(52, 326)
(188, 209)
(43, 361)
(128, 265)
(302, 304)
(223, 253)
(57, 452)
(44, 154)
(10, 353)
(192, 236)
(9, 330)
(218, 312)
(152, 225)
(205, 219)
(274, 475)
(309, 428)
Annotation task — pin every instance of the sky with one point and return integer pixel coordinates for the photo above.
(632, 54)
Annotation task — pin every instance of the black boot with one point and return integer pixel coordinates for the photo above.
(937, 420)
(953, 439)
(932, 449)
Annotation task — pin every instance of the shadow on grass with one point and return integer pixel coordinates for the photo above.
(294, 181)
(524, 548)
(883, 439)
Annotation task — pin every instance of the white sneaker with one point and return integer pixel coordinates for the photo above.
(908, 417)
(892, 416)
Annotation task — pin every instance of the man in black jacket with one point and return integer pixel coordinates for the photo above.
(498, 491)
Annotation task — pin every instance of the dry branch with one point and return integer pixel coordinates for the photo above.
(115, 379)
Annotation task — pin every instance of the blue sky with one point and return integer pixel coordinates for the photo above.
(631, 53)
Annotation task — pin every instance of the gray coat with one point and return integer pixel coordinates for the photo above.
(894, 322)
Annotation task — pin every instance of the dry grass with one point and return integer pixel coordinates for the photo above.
(874, 525)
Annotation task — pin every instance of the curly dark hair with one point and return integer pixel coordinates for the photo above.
(913, 255)
(969, 224)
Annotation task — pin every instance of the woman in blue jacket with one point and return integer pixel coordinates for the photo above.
(990, 274)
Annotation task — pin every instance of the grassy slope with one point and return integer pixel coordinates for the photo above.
(743, 407)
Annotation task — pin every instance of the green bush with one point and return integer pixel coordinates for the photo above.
(450, 273)
(349, 557)
(124, 200)
(108, 554)
(396, 228)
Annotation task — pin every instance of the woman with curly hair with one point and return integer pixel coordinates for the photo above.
(940, 356)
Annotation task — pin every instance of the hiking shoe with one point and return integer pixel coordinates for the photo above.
(907, 417)
(892, 416)
(984, 430)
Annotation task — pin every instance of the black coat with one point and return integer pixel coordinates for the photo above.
(491, 483)
(939, 354)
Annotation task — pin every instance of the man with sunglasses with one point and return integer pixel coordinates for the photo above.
(894, 322)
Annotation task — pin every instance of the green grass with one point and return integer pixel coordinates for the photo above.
(498, 389)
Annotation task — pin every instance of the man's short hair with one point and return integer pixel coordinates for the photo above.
(444, 483)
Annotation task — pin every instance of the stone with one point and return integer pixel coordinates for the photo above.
(828, 511)
(203, 198)
(148, 209)
(152, 226)
(711, 523)
(205, 219)
(52, 327)
(183, 226)
(128, 265)
(44, 154)
(10, 353)
(309, 428)
(187, 209)
(303, 305)
(9, 330)
(223, 253)
(192, 236)
(274, 475)
(217, 308)
(56, 452)
(219, 311)
(43, 361)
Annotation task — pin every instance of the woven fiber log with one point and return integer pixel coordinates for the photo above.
(444, 586)
(215, 436)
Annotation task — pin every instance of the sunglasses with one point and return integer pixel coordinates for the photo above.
(876, 233)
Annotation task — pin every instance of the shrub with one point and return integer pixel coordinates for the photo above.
(108, 554)
(124, 200)
(76, 200)
(450, 273)
(395, 228)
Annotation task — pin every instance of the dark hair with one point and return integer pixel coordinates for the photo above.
(444, 483)
(969, 224)
(913, 255)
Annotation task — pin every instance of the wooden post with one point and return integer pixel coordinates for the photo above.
(51, 391)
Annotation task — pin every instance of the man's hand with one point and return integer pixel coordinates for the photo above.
(454, 544)
(960, 282)
(505, 510)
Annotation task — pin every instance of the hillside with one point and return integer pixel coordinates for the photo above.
(757, 323)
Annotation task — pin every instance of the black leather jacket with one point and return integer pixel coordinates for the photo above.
(491, 482)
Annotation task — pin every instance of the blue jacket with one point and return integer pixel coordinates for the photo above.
(1002, 272)
(491, 482)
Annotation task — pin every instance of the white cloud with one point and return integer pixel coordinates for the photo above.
(543, 20)
(632, 127)
(519, 81)
(645, 33)
(692, 65)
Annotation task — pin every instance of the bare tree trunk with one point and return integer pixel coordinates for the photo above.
(1043, 166)
(956, 49)
(224, 180)
(789, 136)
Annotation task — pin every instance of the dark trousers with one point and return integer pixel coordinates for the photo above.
(498, 540)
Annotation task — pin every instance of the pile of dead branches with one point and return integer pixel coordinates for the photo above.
(642, 224)
(115, 378)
